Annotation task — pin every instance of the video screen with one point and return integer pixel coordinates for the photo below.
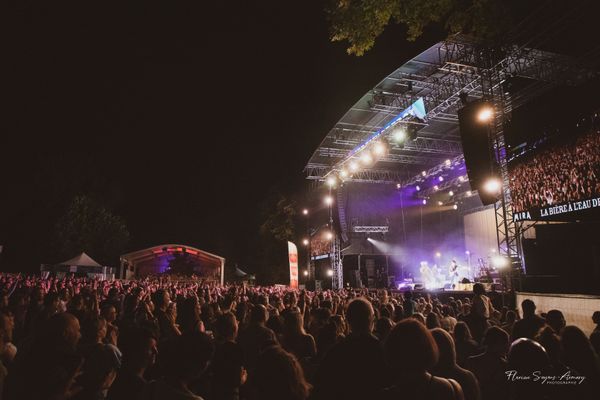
(558, 174)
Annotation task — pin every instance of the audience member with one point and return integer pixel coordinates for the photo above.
(411, 352)
(446, 366)
(531, 323)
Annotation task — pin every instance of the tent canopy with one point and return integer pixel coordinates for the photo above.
(82, 260)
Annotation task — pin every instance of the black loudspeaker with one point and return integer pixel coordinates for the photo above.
(476, 147)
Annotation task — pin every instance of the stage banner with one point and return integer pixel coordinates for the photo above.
(293, 257)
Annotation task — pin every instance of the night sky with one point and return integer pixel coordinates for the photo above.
(178, 116)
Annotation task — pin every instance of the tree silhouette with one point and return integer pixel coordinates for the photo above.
(88, 226)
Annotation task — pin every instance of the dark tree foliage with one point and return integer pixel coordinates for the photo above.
(360, 22)
(278, 226)
(88, 226)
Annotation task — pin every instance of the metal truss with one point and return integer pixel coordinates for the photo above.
(421, 144)
(370, 229)
(317, 172)
(436, 170)
(336, 263)
(333, 152)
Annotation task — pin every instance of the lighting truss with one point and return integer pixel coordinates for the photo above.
(370, 229)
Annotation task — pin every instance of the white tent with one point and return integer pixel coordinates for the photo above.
(82, 260)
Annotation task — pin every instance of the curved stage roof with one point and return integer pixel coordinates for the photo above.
(157, 259)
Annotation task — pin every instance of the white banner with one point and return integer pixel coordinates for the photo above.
(293, 258)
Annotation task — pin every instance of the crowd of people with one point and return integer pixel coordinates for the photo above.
(79, 338)
(557, 175)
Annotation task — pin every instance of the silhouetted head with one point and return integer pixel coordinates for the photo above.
(410, 347)
(447, 350)
(556, 320)
(496, 340)
(186, 357)
(462, 332)
(478, 289)
(360, 316)
(259, 314)
(278, 375)
(226, 326)
(528, 307)
(526, 355)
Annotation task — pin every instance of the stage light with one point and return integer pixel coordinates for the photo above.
(379, 148)
(424, 173)
(424, 201)
(438, 254)
(485, 114)
(469, 193)
(331, 181)
(328, 235)
(305, 242)
(467, 252)
(448, 163)
(366, 158)
(305, 272)
(399, 134)
(493, 250)
(436, 187)
(418, 188)
(492, 186)
(398, 186)
(455, 206)
(451, 193)
(328, 200)
(440, 203)
(344, 173)
(353, 166)
(441, 179)
(329, 272)
(305, 211)
(461, 178)
(499, 262)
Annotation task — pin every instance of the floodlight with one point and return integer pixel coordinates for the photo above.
(399, 134)
(353, 166)
(331, 181)
(455, 206)
(424, 173)
(328, 235)
(448, 163)
(424, 201)
(485, 114)
(499, 262)
(328, 200)
(436, 187)
(305, 272)
(305, 242)
(451, 193)
(469, 193)
(492, 186)
(441, 178)
(366, 158)
(379, 148)
(418, 188)
(440, 203)
(305, 211)
(329, 272)
(344, 173)
(438, 254)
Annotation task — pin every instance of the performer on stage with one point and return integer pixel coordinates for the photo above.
(453, 273)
